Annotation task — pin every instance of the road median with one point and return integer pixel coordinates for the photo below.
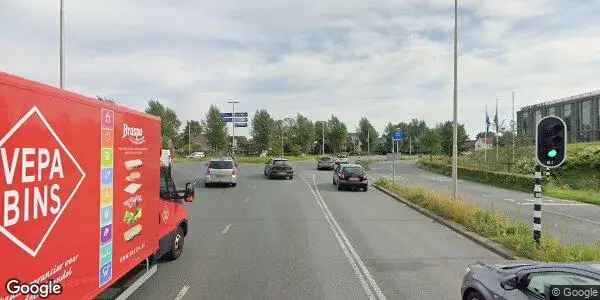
(506, 237)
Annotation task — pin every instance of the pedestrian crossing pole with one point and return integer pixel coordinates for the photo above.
(537, 206)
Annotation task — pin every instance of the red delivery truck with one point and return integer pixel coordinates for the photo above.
(84, 196)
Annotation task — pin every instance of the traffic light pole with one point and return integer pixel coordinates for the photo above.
(537, 206)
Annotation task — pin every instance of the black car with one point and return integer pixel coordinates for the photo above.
(350, 176)
(279, 168)
(526, 281)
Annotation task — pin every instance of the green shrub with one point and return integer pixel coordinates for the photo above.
(513, 234)
(507, 180)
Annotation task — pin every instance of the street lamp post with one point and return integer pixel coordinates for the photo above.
(323, 138)
(189, 138)
(368, 141)
(61, 50)
(233, 102)
(455, 110)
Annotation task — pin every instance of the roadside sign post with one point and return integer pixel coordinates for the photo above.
(551, 152)
(397, 137)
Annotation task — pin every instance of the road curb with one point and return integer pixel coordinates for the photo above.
(484, 242)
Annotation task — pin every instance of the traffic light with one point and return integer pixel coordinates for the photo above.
(551, 141)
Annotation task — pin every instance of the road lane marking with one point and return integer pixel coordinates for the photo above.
(182, 292)
(345, 249)
(509, 200)
(356, 256)
(246, 199)
(226, 229)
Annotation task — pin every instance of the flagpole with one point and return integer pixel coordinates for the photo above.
(485, 135)
(496, 119)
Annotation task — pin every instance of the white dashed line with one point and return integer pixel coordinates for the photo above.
(226, 229)
(246, 199)
(182, 292)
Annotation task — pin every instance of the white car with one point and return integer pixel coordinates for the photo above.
(222, 171)
(197, 155)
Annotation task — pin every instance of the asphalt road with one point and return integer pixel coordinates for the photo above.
(570, 221)
(303, 239)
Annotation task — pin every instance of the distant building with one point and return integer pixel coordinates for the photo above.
(581, 113)
(484, 143)
(469, 145)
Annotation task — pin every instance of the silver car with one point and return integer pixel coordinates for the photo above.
(325, 163)
(222, 171)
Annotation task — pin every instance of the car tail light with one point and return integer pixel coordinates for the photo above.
(364, 178)
(342, 175)
(233, 171)
(208, 171)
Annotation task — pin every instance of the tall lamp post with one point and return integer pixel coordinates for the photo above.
(61, 50)
(233, 102)
(323, 138)
(455, 124)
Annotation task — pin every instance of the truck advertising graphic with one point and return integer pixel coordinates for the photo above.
(80, 198)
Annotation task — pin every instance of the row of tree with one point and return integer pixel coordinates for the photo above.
(298, 135)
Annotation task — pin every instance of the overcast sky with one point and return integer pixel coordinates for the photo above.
(386, 60)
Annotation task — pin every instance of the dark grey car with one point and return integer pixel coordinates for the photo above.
(525, 281)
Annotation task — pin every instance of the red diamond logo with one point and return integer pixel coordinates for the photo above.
(38, 179)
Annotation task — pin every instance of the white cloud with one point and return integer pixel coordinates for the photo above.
(386, 60)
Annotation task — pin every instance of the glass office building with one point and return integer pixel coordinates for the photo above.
(581, 113)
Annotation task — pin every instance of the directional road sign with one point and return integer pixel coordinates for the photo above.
(398, 136)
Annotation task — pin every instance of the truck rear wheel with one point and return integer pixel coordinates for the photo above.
(176, 248)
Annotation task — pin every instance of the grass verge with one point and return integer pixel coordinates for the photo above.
(512, 181)
(514, 235)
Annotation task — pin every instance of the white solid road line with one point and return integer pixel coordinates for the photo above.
(182, 292)
(226, 229)
(356, 256)
(355, 267)
(246, 199)
(347, 247)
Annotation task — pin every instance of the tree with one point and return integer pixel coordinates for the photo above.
(304, 133)
(190, 137)
(366, 134)
(445, 131)
(337, 134)
(262, 130)
(216, 131)
(431, 142)
(169, 123)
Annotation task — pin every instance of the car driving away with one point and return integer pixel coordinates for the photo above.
(350, 176)
(325, 163)
(196, 155)
(223, 171)
(526, 280)
(279, 168)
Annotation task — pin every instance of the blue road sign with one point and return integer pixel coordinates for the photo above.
(398, 136)
(237, 114)
(237, 119)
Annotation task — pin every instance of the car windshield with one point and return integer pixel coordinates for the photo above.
(221, 164)
(354, 170)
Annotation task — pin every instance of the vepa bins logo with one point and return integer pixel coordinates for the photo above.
(133, 134)
(38, 178)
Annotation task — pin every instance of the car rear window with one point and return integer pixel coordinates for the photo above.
(221, 165)
(280, 163)
(354, 171)
(325, 158)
